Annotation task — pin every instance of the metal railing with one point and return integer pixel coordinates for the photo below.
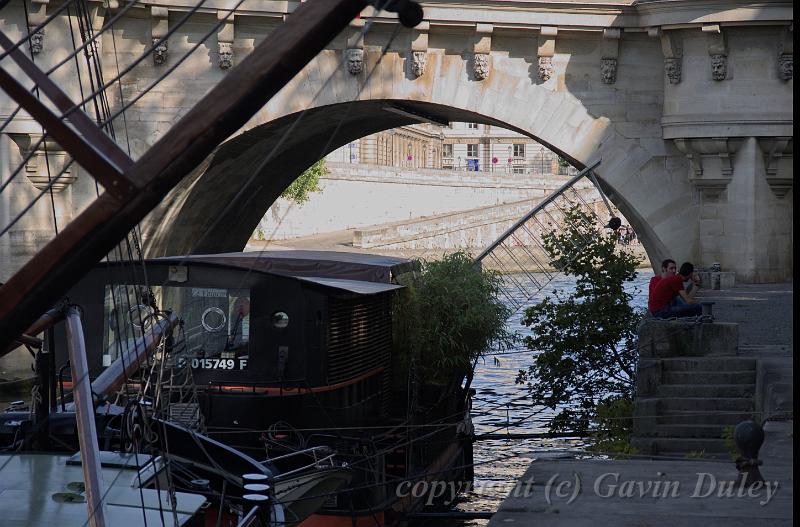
(519, 254)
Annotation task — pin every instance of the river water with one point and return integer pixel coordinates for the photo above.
(499, 401)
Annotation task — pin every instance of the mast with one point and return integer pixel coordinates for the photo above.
(84, 416)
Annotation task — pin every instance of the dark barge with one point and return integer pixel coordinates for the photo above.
(291, 351)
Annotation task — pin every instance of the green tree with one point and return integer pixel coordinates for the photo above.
(447, 316)
(583, 340)
(306, 183)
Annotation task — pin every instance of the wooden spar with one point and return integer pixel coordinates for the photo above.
(29, 341)
(112, 377)
(84, 416)
(46, 321)
(226, 108)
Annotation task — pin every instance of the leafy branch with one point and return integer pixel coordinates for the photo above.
(585, 357)
(306, 183)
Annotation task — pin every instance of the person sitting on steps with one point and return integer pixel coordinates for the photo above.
(669, 299)
(668, 268)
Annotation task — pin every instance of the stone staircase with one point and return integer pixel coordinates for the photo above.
(690, 390)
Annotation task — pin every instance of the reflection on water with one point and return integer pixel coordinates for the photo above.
(499, 401)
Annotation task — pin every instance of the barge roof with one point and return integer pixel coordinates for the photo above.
(302, 263)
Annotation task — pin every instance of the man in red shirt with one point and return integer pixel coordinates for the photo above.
(668, 268)
(667, 294)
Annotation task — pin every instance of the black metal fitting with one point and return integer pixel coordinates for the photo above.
(409, 12)
(748, 436)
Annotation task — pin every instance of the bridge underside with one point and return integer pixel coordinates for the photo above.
(218, 207)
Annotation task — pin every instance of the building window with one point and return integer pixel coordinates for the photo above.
(472, 126)
(447, 150)
(472, 150)
(519, 150)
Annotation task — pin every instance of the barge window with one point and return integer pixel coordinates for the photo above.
(216, 322)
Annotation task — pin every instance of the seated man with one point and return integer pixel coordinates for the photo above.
(669, 299)
(668, 268)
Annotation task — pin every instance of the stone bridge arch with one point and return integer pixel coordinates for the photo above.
(689, 104)
(219, 205)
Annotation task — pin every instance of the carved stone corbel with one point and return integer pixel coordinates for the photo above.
(786, 55)
(693, 157)
(786, 66)
(610, 54)
(225, 37)
(672, 47)
(46, 163)
(419, 49)
(718, 51)
(354, 53)
(481, 65)
(158, 30)
(355, 60)
(711, 179)
(777, 152)
(37, 13)
(546, 50)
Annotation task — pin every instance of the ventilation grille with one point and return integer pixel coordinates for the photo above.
(359, 336)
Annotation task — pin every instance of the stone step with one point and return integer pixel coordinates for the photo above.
(701, 418)
(703, 377)
(708, 364)
(704, 455)
(710, 431)
(704, 404)
(706, 390)
(680, 446)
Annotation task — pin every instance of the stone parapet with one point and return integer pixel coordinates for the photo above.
(717, 280)
(678, 338)
(474, 228)
(453, 178)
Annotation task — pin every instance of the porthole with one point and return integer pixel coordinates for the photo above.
(213, 319)
(280, 320)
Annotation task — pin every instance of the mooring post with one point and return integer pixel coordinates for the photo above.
(748, 436)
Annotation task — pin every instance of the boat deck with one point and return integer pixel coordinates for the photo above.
(35, 490)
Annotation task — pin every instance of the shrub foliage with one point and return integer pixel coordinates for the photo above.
(584, 340)
(448, 315)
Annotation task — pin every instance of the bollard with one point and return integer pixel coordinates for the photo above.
(200, 484)
(748, 436)
(708, 311)
(256, 497)
(256, 487)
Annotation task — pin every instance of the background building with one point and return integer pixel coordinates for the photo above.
(459, 146)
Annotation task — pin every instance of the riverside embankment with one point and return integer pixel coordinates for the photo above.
(693, 489)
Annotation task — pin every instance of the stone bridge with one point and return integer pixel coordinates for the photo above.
(687, 103)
